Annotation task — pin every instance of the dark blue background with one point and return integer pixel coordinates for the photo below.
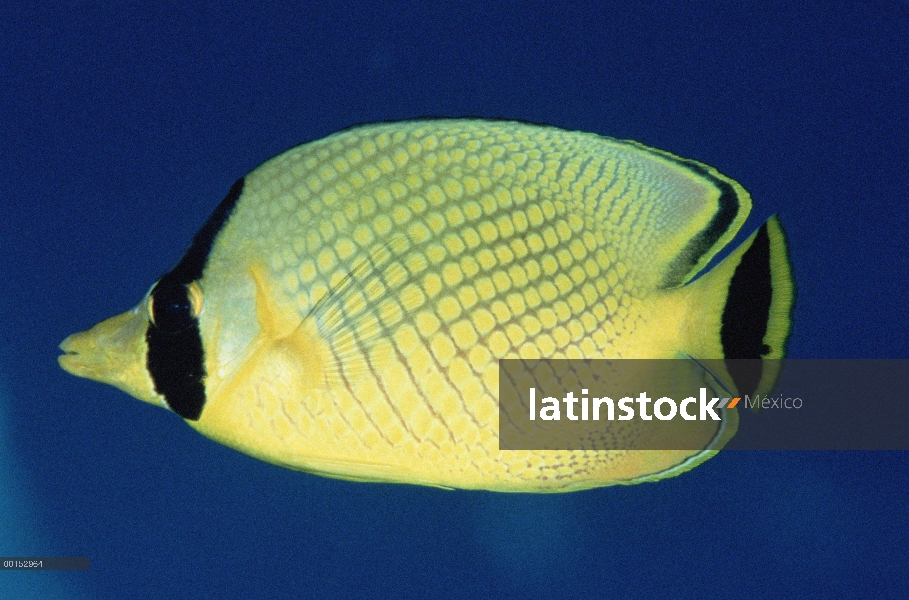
(123, 126)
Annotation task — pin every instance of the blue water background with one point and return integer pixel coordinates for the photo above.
(122, 127)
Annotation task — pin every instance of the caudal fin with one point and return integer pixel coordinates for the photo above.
(752, 291)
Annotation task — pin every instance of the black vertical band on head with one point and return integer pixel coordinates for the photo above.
(176, 360)
(176, 364)
(190, 267)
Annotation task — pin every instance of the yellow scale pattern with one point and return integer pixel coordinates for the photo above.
(448, 248)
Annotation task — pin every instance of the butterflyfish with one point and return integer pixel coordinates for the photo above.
(343, 310)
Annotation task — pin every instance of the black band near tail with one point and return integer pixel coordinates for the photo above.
(176, 356)
(728, 206)
(747, 312)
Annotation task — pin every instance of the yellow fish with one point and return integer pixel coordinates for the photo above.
(343, 309)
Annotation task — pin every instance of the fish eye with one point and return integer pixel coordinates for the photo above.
(172, 307)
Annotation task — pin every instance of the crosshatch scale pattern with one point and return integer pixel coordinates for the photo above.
(423, 252)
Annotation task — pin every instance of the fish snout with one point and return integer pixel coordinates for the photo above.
(107, 351)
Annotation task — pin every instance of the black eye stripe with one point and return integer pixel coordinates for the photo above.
(171, 308)
(176, 357)
(192, 264)
(174, 361)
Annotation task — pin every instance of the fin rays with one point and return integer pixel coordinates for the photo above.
(375, 295)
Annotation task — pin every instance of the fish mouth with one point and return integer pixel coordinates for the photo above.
(113, 352)
(106, 351)
(68, 346)
(75, 351)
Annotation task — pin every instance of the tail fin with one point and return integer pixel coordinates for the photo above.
(752, 291)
